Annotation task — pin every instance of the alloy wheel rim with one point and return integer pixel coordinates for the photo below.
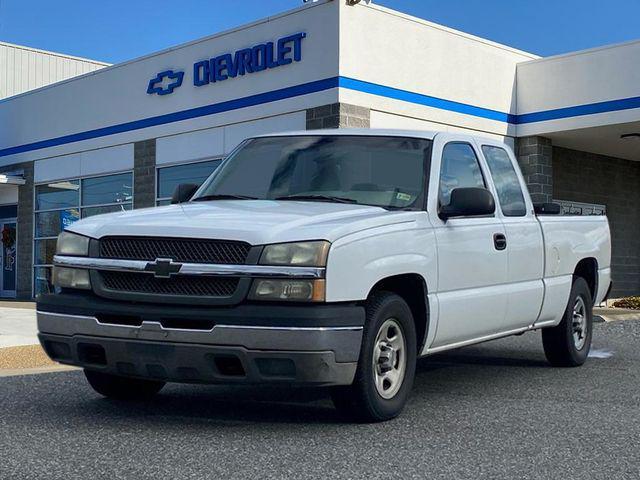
(389, 359)
(579, 323)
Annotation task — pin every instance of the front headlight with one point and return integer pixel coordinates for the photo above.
(298, 254)
(70, 278)
(72, 244)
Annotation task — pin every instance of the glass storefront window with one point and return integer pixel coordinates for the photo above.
(57, 195)
(44, 251)
(59, 204)
(42, 280)
(9, 211)
(50, 224)
(170, 177)
(106, 190)
(91, 211)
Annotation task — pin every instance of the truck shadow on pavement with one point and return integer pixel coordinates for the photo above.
(514, 366)
(437, 378)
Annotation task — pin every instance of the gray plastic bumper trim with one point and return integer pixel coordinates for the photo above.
(343, 341)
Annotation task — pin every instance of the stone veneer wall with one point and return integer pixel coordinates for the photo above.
(591, 178)
(338, 115)
(535, 158)
(144, 174)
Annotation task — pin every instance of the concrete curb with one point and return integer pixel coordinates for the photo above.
(616, 314)
(17, 304)
(16, 372)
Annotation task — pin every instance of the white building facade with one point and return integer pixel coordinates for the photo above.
(124, 136)
(23, 69)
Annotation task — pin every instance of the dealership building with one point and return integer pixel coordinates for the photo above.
(123, 136)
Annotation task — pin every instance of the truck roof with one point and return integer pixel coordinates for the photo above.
(380, 132)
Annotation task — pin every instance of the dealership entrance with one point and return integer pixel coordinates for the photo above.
(9, 248)
(9, 185)
(8, 263)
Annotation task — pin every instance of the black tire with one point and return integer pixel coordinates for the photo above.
(559, 343)
(122, 388)
(361, 400)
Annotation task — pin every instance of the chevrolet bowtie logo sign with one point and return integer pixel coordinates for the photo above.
(165, 82)
(163, 267)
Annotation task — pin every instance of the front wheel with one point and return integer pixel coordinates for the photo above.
(122, 388)
(387, 363)
(568, 344)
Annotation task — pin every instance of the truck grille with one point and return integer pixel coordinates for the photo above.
(180, 285)
(183, 250)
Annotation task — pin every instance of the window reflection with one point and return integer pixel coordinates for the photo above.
(460, 169)
(106, 190)
(42, 280)
(50, 224)
(506, 181)
(57, 195)
(170, 177)
(91, 211)
(44, 251)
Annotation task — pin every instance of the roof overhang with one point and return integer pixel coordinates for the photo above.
(587, 100)
(617, 141)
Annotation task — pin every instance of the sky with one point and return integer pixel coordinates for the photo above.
(117, 30)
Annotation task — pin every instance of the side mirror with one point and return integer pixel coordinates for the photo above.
(183, 193)
(468, 202)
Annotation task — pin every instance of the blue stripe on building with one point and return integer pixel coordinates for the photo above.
(326, 84)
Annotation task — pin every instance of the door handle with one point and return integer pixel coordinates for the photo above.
(499, 241)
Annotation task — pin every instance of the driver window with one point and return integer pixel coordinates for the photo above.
(459, 169)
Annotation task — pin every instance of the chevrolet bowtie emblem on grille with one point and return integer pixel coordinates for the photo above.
(163, 267)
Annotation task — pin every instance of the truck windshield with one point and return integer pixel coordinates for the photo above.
(370, 170)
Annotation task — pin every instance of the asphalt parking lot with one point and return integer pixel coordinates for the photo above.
(490, 411)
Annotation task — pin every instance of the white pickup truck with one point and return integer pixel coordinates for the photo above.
(327, 258)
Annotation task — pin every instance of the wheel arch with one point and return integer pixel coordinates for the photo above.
(587, 269)
(412, 287)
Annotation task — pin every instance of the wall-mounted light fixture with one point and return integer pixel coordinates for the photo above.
(630, 136)
(349, 2)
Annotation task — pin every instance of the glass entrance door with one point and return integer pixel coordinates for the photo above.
(8, 258)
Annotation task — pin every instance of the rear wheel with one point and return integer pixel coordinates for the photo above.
(387, 363)
(122, 388)
(568, 344)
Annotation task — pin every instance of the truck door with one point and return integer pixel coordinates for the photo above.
(472, 263)
(524, 242)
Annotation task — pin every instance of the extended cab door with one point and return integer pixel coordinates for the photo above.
(472, 265)
(524, 242)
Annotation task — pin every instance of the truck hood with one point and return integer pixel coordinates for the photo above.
(254, 221)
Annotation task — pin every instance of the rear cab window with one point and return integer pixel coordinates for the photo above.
(506, 181)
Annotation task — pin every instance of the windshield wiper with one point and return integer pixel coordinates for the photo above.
(317, 198)
(224, 197)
